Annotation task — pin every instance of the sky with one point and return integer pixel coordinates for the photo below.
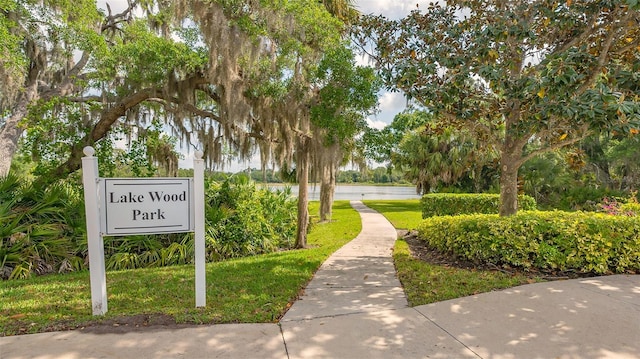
(390, 103)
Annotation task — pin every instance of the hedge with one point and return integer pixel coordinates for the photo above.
(583, 242)
(452, 204)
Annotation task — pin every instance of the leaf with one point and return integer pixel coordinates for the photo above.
(562, 137)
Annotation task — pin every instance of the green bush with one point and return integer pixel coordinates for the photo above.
(585, 198)
(451, 204)
(41, 230)
(563, 241)
(631, 208)
(243, 220)
(44, 231)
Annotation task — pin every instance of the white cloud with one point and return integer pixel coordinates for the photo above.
(116, 6)
(392, 102)
(391, 9)
(376, 124)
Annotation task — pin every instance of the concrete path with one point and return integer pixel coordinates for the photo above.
(355, 308)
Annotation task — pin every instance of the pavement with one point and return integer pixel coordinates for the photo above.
(355, 307)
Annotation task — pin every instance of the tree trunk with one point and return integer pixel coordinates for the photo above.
(9, 135)
(11, 131)
(508, 187)
(510, 162)
(303, 157)
(327, 190)
(329, 161)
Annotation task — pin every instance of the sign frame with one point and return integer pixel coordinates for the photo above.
(95, 205)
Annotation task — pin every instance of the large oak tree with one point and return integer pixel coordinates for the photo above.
(237, 74)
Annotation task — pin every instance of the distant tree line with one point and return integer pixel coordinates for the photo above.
(378, 175)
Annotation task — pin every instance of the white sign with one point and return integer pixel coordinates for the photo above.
(146, 205)
(121, 206)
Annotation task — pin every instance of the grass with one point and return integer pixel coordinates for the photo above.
(425, 282)
(256, 289)
(403, 214)
(249, 290)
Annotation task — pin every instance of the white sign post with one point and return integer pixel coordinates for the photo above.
(94, 236)
(198, 184)
(126, 206)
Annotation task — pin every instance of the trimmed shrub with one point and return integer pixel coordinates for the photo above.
(452, 204)
(631, 209)
(561, 241)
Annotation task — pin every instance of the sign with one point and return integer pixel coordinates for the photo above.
(146, 205)
(122, 206)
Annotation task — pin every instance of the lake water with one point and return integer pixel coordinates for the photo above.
(352, 192)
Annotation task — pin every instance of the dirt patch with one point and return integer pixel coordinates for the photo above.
(126, 324)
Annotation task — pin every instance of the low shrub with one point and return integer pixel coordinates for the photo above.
(584, 198)
(245, 220)
(451, 204)
(631, 208)
(41, 230)
(620, 207)
(560, 241)
(44, 231)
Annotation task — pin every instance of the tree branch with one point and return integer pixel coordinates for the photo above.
(591, 29)
(602, 58)
(555, 146)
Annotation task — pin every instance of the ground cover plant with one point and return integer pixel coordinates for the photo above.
(428, 275)
(255, 289)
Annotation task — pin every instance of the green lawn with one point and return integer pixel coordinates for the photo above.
(403, 214)
(426, 282)
(250, 290)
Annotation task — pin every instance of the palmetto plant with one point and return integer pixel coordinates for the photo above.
(434, 155)
(40, 229)
(44, 230)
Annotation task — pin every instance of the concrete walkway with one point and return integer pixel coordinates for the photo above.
(355, 308)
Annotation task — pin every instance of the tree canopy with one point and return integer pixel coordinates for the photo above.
(223, 76)
(516, 71)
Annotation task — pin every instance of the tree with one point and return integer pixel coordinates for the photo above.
(379, 145)
(516, 71)
(123, 71)
(434, 155)
(345, 94)
(218, 73)
(38, 42)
